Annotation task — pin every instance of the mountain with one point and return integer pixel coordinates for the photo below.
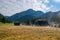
(55, 16)
(29, 14)
(47, 15)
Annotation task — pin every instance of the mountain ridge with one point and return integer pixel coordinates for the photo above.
(31, 14)
(26, 15)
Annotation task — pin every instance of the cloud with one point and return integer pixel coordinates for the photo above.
(10, 7)
(40, 5)
(58, 1)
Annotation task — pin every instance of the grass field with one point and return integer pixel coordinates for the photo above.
(11, 32)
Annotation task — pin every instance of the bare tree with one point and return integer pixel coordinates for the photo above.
(54, 19)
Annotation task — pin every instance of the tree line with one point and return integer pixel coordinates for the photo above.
(3, 19)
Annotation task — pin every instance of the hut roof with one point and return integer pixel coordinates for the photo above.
(41, 20)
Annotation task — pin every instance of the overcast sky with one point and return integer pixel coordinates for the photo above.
(10, 7)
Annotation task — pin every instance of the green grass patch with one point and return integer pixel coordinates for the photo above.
(5, 24)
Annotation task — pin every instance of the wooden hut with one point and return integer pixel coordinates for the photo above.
(41, 22)
(16, 23)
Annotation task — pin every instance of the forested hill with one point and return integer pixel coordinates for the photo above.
(3, 19)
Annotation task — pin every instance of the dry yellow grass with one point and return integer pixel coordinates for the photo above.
(29, 33)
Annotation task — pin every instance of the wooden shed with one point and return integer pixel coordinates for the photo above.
(41, 22)
(16, 23)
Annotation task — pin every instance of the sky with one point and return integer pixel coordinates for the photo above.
(10, 7)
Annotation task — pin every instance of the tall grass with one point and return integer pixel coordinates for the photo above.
(29, 33)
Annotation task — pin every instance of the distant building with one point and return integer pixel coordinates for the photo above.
(16, 23)
(41, 22)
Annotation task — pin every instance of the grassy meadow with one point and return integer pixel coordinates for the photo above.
(23, 32)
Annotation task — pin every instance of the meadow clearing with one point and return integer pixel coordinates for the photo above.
(23, 32)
